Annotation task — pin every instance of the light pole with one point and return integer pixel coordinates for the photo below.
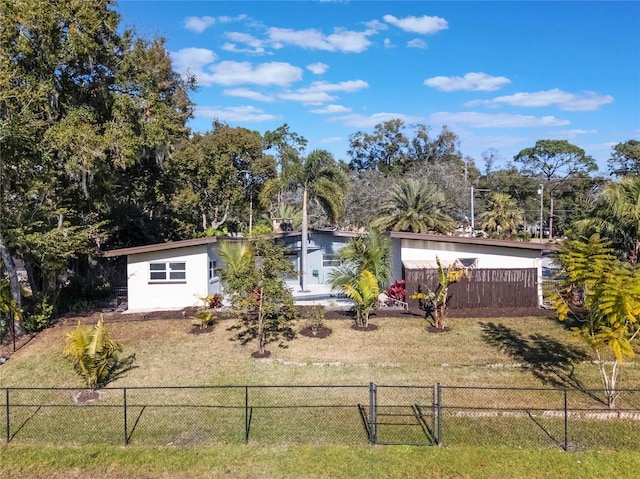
(541, 193)
(473, 219)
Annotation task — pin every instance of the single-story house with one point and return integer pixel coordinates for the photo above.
(176, 274)
(170, 275)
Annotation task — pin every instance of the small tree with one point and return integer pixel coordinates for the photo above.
(434, 303)
(94, 355)
(603, 295)
(364, 292)
(256, 287)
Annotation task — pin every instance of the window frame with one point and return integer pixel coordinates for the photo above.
(171, 271)
(331, 260)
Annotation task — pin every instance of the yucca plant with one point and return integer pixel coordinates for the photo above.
(94, 354)
(434, 303)
(364, 292)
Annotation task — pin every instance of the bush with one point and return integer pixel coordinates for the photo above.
(38, 315)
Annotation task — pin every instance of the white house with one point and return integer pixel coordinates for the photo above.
(171, 275)
(175, 275)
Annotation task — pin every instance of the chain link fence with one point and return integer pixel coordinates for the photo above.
(568, 419)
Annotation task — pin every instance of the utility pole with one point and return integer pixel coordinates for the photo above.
(541, 193)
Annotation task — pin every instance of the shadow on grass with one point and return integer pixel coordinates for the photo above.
(549, 360)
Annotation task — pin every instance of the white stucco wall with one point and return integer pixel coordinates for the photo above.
(145, 295)
(489, 257)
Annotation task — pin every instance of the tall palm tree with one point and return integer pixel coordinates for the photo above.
(370, 252)
(318, 176)
(414, 206)
(503, 215)
(617, 216)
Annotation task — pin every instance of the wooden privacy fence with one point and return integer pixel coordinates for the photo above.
(484, 288)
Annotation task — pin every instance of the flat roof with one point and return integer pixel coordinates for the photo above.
(473, 241)
(531, 245)
(159, 247)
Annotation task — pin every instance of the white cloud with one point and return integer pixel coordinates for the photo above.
(348, 86)
(361, 121)
(308, 97)
(341, 40)
(249, 94)
(227, 19)
(387, 43)
(423, 25)
(238, 114)
(501, 120)
(473, 81)
(323, 92)
(587, 101)
(318, 68)
(417, 43)
(192, 59)
(255, 45)
(332, 109)
(198, 24)
(273, 73)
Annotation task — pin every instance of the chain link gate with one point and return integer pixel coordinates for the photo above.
(402, 415)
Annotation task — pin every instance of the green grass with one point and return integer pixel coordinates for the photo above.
(313, 441)
(300, 462)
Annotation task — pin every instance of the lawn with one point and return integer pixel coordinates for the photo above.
(531, 352)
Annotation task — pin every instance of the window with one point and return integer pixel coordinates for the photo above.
(213, 270)
(330, 260)
(167, 271)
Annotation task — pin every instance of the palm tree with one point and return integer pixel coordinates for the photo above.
(237, 256)
(503, 215)
(414, 206)
(364, 292)
(318, 176)
(370, 252)
(621, 218)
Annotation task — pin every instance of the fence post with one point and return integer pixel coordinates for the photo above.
(373, 413)
(566, 422)
(439, 414)
(6, 398)
(124, 402)
(246, 414)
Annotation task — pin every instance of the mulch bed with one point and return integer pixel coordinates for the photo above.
(368, 327)
(258, 355)
(320, 333)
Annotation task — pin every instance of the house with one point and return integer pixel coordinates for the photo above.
(175, 275)
(171, 275)
(501, 273)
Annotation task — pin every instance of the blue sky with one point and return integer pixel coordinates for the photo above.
(499, 74)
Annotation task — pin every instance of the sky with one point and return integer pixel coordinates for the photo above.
(501, 75)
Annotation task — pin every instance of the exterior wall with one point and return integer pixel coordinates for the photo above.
(495, 257)
(214, 284)
(319, 245)
(146, 295)
(489, 257)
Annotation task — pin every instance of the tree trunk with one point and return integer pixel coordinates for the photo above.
(14, 284)
(303, 245)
